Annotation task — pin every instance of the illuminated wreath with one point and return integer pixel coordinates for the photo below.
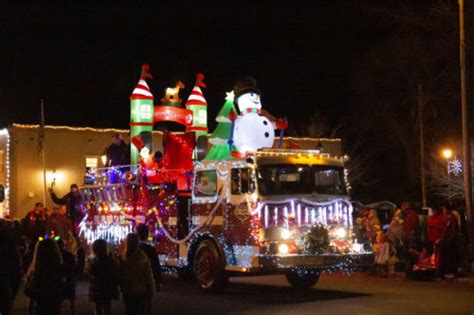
(316, 240)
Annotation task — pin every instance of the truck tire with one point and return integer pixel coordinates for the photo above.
(209, 268)
(302, 280)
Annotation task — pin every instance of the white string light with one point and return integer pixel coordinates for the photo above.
(5, 133)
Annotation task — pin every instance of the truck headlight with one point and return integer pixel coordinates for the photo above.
(356, 247)
(285, 234)
(283, 249)
(340, 232)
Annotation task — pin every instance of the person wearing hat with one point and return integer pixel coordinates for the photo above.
(72, 201)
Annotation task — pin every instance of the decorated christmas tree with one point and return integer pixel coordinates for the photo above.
(220, 136)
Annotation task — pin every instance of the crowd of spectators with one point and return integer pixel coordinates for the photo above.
(50, 270)
(425, 246)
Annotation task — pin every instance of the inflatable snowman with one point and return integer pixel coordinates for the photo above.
(251, 130)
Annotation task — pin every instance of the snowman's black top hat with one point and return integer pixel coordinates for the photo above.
(245, 85)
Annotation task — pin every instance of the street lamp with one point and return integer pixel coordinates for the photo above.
(447, 153)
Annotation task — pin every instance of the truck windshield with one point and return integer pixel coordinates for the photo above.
(281, 179)
(329, 180)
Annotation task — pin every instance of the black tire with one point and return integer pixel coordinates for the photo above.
(209, 268)
(302, 280)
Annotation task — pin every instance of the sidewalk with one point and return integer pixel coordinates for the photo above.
(465, 278)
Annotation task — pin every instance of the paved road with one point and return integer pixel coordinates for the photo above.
(334, 294)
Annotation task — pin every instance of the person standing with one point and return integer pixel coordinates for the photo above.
(150, 251)
(59, 223)
(10, 269)
(72, 200)
(69, 272)
(136, 277)
(34, 223)
(395, 229)
(117, 155)
(103, 286)
(372, 226)
(411, 224)
(411, 239)
(395, 236)
(448, 244)
(44, 282)
(382, 254)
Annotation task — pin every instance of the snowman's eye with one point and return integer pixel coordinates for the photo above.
(265, 122)
(267, 134)
(251, 94)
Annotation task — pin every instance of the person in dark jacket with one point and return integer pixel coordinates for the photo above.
(69, 269)
(447, 267)
(103, 286)
(10, 269)
(44, 282)
(117, 155)
(411, 224)
(34, 223)
(136, 277)
(150, 251)
(72, 200)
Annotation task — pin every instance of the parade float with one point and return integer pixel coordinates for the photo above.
(240, 207)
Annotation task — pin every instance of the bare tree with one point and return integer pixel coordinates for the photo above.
(445, 177)
(443, 182)
(359, 166)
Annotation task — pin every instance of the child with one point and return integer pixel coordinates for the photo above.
(103, 283)
(382, 254)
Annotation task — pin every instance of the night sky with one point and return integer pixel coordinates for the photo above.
(325, 57)
(84, 59)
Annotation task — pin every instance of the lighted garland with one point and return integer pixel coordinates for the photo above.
(190, 234)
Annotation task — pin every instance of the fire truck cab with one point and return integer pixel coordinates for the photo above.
(275, 211)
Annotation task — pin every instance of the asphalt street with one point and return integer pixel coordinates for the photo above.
(359, 293)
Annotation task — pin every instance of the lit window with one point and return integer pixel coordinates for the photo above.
(92, 162)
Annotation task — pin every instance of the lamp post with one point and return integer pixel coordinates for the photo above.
(465, 136)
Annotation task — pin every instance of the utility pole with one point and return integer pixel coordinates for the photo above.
(422, 144)
(465, 133)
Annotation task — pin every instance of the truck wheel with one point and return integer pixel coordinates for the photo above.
(302, 280)
(209, 268)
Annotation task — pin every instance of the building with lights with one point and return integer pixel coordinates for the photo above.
(67, 153)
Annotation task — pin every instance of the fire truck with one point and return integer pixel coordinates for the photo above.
(275, 211)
